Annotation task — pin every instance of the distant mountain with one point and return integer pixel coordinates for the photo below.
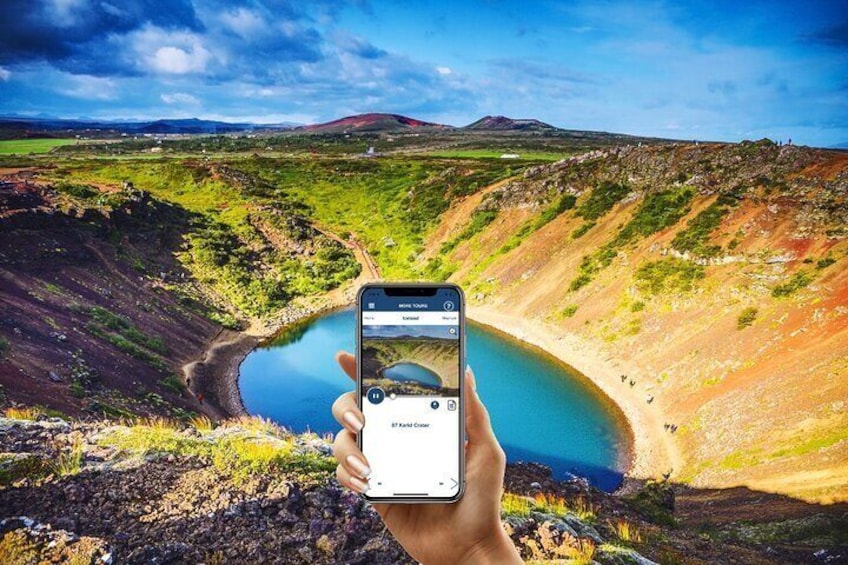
(502, 123)
(40, 124)
(843, 145)
(374, 122)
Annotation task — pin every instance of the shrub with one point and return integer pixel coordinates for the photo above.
(569, 310)
(668, 275)
(579, 282)
(581, 231)
(626, 531)
(77, 190)
(23, 413)
(637, 306)
(746, 318)
(825, 262)
(602, 199)
(695, 238)
(70, 462)
(562, 204)
(225, 319)
(173, 384)
(655, 501)
(657, 211)
(4, 346)
(798, 281)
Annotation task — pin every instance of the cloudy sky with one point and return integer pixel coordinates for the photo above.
(726, 70)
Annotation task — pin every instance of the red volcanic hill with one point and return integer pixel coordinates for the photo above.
(373, 122)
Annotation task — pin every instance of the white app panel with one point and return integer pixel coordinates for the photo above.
(412, 446)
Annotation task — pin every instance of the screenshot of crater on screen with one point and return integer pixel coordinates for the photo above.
(410, 369)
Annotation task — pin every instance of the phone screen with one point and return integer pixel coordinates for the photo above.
(411, 352)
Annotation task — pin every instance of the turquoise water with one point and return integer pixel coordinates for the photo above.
(540, 411)
(406, 372)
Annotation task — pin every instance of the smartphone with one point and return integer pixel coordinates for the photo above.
(410, 353)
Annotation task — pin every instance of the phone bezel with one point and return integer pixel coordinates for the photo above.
(462, 364)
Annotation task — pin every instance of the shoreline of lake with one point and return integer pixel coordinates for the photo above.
(652, 451)
(648, 453)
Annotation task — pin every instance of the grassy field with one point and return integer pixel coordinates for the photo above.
(26, 146)
(496, 154)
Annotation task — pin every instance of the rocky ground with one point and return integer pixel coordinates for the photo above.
(247, 491)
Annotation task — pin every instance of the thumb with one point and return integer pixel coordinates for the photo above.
(478, 425)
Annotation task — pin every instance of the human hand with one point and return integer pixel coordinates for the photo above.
(467, 531)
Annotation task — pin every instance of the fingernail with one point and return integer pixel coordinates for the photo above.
(359, 485)
(470, 375)
(353, 420)
(361, 468)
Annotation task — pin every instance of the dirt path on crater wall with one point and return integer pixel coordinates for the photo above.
(359, 251)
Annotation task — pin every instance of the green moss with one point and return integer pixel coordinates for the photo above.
(668, 275)
(637, 306)
(746, 318)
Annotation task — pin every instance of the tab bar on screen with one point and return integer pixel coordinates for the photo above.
(410, 318)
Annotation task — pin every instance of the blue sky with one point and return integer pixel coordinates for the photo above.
(707, 70)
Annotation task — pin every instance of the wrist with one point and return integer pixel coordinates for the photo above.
(497, 549)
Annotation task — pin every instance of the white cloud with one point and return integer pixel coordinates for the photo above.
(179, 98)
(244, 22)
(294, 118)
(5, 74)
(88, 87)
(175, 60)
(64, 12)
(168, 52)
(444, 70)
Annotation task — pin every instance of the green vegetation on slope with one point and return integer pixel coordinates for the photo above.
(656, 212)
(601, 200)
(234, 216)
(695, 238)
(388, 203)
(795, 283)
(241, 455)
(746, 318)
(479, 220)
(671, 274)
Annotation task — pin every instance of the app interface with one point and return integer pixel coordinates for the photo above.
(410, 358)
